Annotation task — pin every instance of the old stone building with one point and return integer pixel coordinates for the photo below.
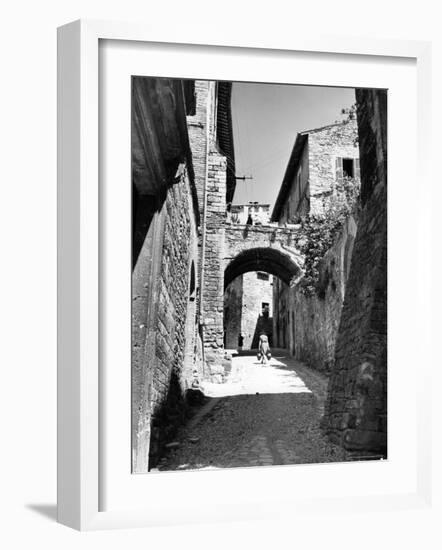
(306, 323)
(211, 139)
(320, 157)
(183, 176)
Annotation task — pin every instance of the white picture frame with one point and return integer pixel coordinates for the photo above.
(79, 390)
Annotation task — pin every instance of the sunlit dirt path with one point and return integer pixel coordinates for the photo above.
(263, 415)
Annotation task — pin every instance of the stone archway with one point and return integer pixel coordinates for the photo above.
(248, 292)
(282, 264)
(237, 249)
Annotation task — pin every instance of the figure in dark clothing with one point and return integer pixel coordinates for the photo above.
(240, 341)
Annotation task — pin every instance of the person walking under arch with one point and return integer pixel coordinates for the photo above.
(264, 353)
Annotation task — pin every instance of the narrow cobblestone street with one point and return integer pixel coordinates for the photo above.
(263, 415)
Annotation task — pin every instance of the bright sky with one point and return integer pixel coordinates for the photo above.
(266, 119)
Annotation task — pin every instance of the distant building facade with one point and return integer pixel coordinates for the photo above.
(320, 158)
(252, 212)
(248, 310)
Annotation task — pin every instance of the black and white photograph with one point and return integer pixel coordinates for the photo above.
(221, 265)
(259, 274)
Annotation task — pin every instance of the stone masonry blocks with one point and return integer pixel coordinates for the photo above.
(356, 407)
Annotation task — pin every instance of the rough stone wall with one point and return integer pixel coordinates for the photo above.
(239, 238)
(282, 322)
(307, 325)
(324, 146)
(213, 278)
(199, 127)
(193, 367)
(233, 296)
(356, 407)
(162, 318)
(210, 169)
(142, 296)
(175, 314)
(317, 317)
(198, 132)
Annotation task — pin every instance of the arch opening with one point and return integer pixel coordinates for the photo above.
(250, 308)
(268, 260)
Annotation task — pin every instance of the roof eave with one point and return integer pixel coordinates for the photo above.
(294, 160)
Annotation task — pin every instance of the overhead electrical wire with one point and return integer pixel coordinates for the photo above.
(247, 166)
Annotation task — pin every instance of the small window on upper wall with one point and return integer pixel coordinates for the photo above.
(265, 309)
(263, 276)
(348, 168)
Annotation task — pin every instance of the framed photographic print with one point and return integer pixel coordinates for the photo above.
(231, 276)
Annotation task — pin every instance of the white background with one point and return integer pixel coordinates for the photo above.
(28, 276)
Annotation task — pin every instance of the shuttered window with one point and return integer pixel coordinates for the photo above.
(348, 167)
(338, 169)
(357, 169)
